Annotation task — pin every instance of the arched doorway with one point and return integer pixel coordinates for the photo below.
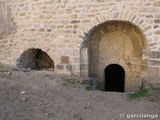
(115, 42)
(35, 59)
(114, 78)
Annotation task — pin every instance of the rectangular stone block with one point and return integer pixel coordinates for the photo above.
(153, 71)
(154, 62)
(68, 67)
(75, 21)
(154, 54)
(60, 67)
(157, 21)
(84, 66)
(65, 59)
(157, 32)
(157, 4)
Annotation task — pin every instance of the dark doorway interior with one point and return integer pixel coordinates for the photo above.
(114, 78)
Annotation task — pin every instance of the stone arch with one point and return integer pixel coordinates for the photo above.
(129, 43)
(123, 13)
(36, 59)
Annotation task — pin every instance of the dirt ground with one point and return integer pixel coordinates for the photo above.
(44, 95)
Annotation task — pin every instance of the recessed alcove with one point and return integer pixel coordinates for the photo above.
(35, 59)
(115, 42)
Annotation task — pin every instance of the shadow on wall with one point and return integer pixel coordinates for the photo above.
(35, 59)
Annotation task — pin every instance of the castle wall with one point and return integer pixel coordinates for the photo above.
(59, 27)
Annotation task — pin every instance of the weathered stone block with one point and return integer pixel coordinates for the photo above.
(157, 4)
(157, 32)
(154, 62)
(149, 16)
(49, 30)
(157, 15)
(156, 26)
(152, 44)
(22, 14)
(154, 54)
(60, 66)
(75, 21)
(65, 59)
(157, 21)
(41, 30)
(68, 67)
(73, 16)
(146, 28)
(84, 66)
(76, 60)
(153, 71)
(32, 29)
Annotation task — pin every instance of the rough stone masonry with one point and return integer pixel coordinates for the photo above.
(66, 30)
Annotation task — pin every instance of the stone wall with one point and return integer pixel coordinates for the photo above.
(5, 31)
(60, 27)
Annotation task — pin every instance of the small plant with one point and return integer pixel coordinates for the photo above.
(88, 87)
(70, 81)
(141, 93)
(87, 84)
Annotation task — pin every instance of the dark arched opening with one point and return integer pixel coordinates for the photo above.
(114, 78)
(35, 59)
